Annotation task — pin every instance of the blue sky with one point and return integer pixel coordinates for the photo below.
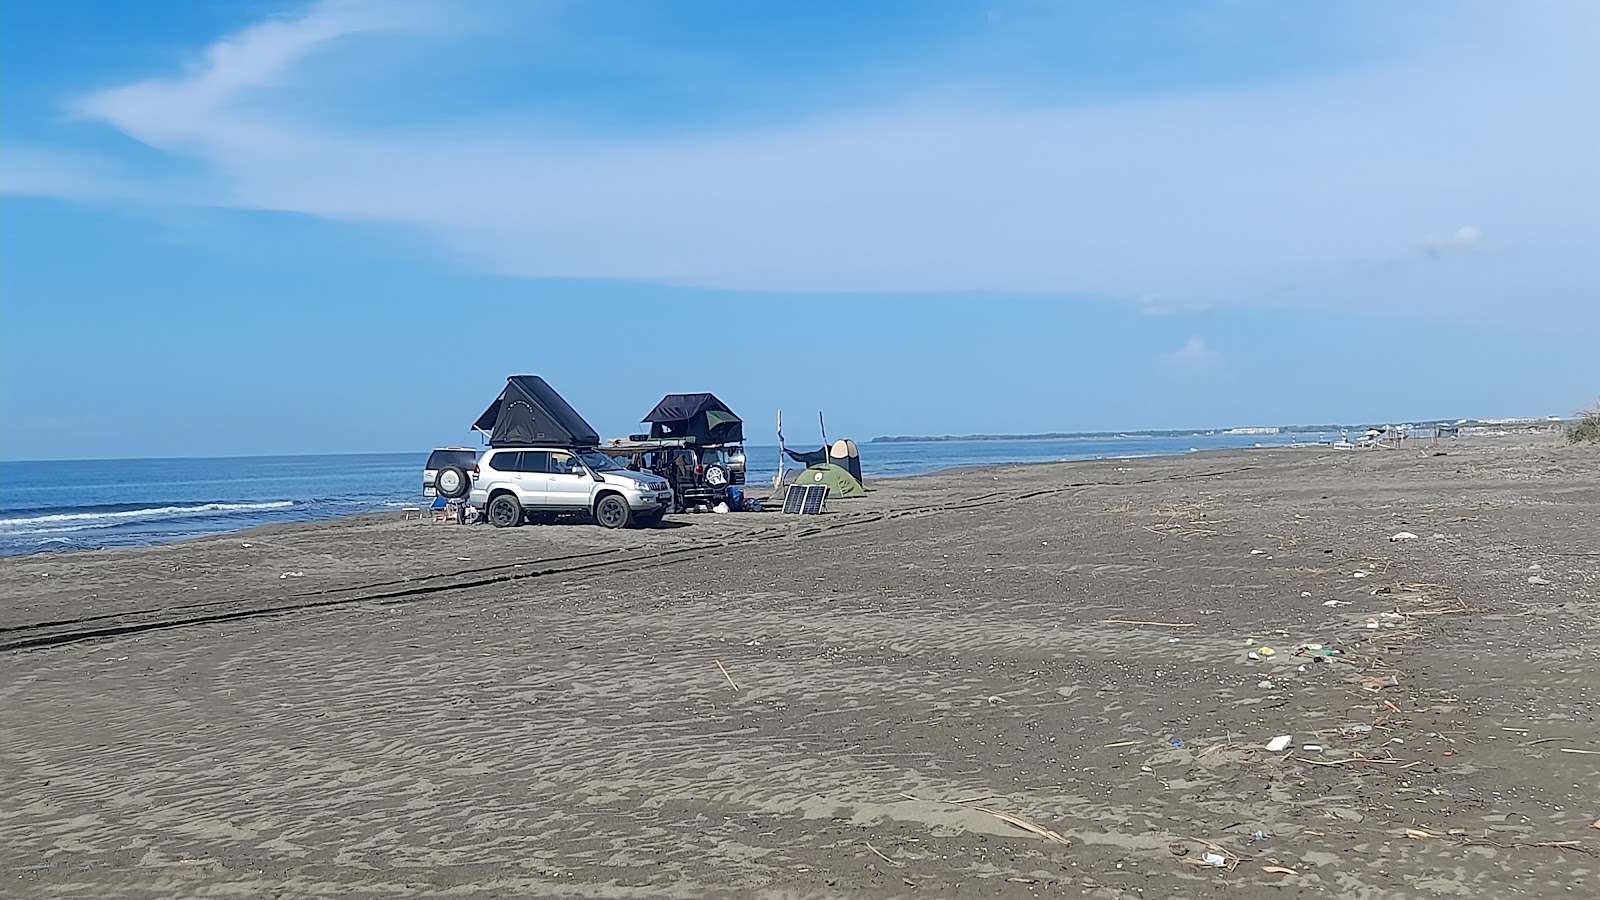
(262, 227)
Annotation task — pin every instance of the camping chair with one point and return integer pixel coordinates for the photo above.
(441, 509)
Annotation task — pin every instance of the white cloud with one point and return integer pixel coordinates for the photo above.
(1278, 194)
(1195, 354)
(1465, 240)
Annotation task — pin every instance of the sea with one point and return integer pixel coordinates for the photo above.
(103, 504)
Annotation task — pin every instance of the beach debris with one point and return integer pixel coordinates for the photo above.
(996, 698)
(1259, 835)
(1358, 574)
(1266, 684)
(1305, 593)
(1176, 743)
(1278, 870)
(1372, 624)
(1179, 848)
(1596, 825)
(1311, 748)
(1025, 825)
(1279, 743)
(1417, 834)
(1377, 684)
(1257, 552)
(1252, 655)
(1355, 729)
(1215, 860)
(720, 508)
(245, 544)
(1150, 624)
(1331, 603)
(1536, 580)
(293, 575)
(1267, 651)
(1576, 750)
(725, 674)
(878, 853)
(1119, 744)
(1403, 536)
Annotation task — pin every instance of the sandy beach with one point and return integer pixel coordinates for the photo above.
(1011, 682)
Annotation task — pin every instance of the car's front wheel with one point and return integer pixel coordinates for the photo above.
(612, 511)
(505, 511)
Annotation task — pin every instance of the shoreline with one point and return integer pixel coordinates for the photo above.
(764, 491)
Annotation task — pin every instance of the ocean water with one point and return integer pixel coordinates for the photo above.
(100, 504)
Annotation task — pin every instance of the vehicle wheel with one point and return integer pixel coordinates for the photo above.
(717, 475)
(505, 511)
(612, 511)
(452, 483)
(649, 519)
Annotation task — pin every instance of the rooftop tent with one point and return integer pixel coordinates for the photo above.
(529, 411)
(840, 483)
(699, 416)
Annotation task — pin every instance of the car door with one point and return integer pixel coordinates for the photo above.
(525, 473)
(568, 483)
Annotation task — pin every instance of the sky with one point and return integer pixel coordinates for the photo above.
(261, 227)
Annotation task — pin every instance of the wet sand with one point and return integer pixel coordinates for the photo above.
(937, 690)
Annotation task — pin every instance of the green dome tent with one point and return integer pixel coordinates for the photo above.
(840, 483)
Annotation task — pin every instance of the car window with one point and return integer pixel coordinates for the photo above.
(535, 461)
(601, 462)
(565, 464)
(508, 461)
(438, 459)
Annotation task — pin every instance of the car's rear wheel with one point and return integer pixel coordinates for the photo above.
(452, 483)
(505, 511)
(612, 511)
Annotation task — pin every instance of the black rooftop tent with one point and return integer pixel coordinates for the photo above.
(529, 411)
(701, 417)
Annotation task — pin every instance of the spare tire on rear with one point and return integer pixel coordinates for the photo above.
(452, 483)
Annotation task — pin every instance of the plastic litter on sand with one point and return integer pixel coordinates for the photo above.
(1279, 743)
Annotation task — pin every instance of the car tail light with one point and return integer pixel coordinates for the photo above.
(475, 471)
(699, 470)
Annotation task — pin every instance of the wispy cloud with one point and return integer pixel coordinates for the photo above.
(1265, 194)
(1466, 239)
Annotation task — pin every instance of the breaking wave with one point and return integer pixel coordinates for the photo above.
(63, 522)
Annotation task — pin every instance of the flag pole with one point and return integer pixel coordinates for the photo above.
(777, 482)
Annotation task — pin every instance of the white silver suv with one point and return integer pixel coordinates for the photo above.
(508, 483)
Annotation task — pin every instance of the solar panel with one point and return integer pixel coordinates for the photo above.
(805, 499)
(811, 505)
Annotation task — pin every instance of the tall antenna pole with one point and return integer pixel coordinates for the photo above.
(824, 436)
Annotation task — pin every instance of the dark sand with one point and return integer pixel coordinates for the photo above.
(432, 710)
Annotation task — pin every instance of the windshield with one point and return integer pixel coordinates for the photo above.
(600, 462)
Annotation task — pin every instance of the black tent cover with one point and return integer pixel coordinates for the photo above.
(528, 412)
(699, 416)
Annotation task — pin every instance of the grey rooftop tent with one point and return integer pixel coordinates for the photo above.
(529, 411)
(700, 417)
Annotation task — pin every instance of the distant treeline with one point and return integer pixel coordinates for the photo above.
(1068, 435)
